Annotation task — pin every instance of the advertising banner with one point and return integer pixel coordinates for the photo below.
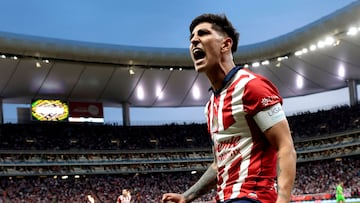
(86, 110)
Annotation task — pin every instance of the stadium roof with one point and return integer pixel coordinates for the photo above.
(38, 67)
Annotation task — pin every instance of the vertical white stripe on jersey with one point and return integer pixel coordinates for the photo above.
(220, 113)
(211, 116)
(221, 129)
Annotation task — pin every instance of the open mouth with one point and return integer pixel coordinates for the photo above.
(198, 53)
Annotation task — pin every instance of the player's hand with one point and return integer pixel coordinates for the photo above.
(173, 198)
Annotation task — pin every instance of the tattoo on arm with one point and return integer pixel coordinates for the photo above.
(202, 186)
(278, 169)
(279, 188)
(284, 196)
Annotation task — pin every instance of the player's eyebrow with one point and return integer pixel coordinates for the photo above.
(200, 32)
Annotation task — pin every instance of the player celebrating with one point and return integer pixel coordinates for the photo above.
(251, 138)
(125, 197)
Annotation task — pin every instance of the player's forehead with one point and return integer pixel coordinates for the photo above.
(203, 25)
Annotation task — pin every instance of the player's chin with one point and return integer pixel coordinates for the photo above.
(201, 67)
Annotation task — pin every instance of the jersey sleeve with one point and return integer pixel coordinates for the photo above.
(259, 94)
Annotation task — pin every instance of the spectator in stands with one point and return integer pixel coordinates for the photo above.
(90, 199)
(125, 197)
(249, 130)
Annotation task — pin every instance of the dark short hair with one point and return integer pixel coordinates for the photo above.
(221, 24)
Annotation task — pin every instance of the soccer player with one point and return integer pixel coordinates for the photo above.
(125, 197)
(340, 198)
(252, 143)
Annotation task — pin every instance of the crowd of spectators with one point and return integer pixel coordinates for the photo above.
(306, 125)
(323, 176)
(332, 141)
(76, 136)
(105, 188)
(330, 137)
(312, 177)
(67, 136)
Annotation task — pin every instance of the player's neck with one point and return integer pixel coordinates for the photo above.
(217, 74)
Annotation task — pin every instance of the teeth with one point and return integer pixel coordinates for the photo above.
(198, 53)
(196, 50)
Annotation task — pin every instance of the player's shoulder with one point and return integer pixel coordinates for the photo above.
(251, 80)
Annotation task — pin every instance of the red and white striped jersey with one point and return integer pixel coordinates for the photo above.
(124, 199)
(246, 161)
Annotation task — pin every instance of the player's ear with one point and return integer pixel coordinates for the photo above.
(227, 44)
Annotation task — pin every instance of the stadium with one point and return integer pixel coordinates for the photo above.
(61, 150)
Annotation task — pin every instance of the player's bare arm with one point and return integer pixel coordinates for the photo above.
(203, 185)
(279, 136)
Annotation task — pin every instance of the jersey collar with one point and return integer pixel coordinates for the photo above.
(226, 80)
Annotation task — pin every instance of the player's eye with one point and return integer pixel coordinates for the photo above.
(200, 32)
(203, 32)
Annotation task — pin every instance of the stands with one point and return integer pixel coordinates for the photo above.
(151, 160)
